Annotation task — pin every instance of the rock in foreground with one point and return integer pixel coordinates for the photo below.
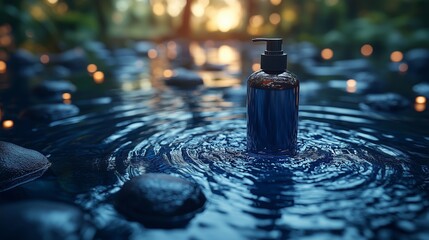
(19, 165)
(43, 220)
(160, 200)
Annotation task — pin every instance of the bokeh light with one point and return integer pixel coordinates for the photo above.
(3, 67)
(366, 50)
(98, 77)
(168, 73)
(275, 18)
(7, 124)
(351, 85)
(276, 2)
(327, 54)
(44, 59)
(91, 68)
(403, 67)
(256, 67)
(420, 107)
(421, 99)
(158, 9)
(66, 96)
(152, 53)
(256, 21)
(396, 56)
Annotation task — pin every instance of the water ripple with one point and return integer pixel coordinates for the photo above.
(349, 178)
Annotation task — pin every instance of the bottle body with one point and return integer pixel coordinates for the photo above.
(272, 113)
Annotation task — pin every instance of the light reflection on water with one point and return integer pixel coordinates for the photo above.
(350, 177)
(358, 174)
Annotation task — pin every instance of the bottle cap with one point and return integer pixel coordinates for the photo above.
(273, 59)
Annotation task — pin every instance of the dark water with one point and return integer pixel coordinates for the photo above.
(272, 121)
(354, 176)
(357, 174)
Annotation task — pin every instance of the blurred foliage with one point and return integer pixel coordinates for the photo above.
(42, 26)
(55, 25)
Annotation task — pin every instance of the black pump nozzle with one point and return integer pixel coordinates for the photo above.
(273, 59)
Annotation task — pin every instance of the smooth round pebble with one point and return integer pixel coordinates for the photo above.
(160, 200)
(19, 165)
(43, 220)
(50, 112)
(184, 78)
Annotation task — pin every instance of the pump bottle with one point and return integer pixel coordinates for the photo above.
(272, 104)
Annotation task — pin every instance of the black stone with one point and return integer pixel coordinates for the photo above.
(388, 102)
(51, 87)
(160, 200)
(184, 78)
(19, 165)
(50, 112)
(43, 220)
(213, 67)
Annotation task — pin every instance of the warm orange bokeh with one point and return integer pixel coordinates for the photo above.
(327, 53)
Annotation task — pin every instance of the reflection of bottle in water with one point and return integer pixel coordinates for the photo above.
(272, 104)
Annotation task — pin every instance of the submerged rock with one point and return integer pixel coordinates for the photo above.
(388, 102)
(184, 78)
(43, 220)
(160, 200)
(50, 112)
(51, 87)
(19, 165)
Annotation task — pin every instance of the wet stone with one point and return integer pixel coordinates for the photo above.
(19, 165)
(213, 67)
(418, 61)
(160, 200)
(43, 220)
(24, 64)
(368, 82)
(184, 78)
(353, 65)
(74, 59)
(22, 57)
(50, 112)
(422, 89)
(60, 72)
(388, 102)
(51, 87)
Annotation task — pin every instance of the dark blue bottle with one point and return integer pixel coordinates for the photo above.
(272, 104)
